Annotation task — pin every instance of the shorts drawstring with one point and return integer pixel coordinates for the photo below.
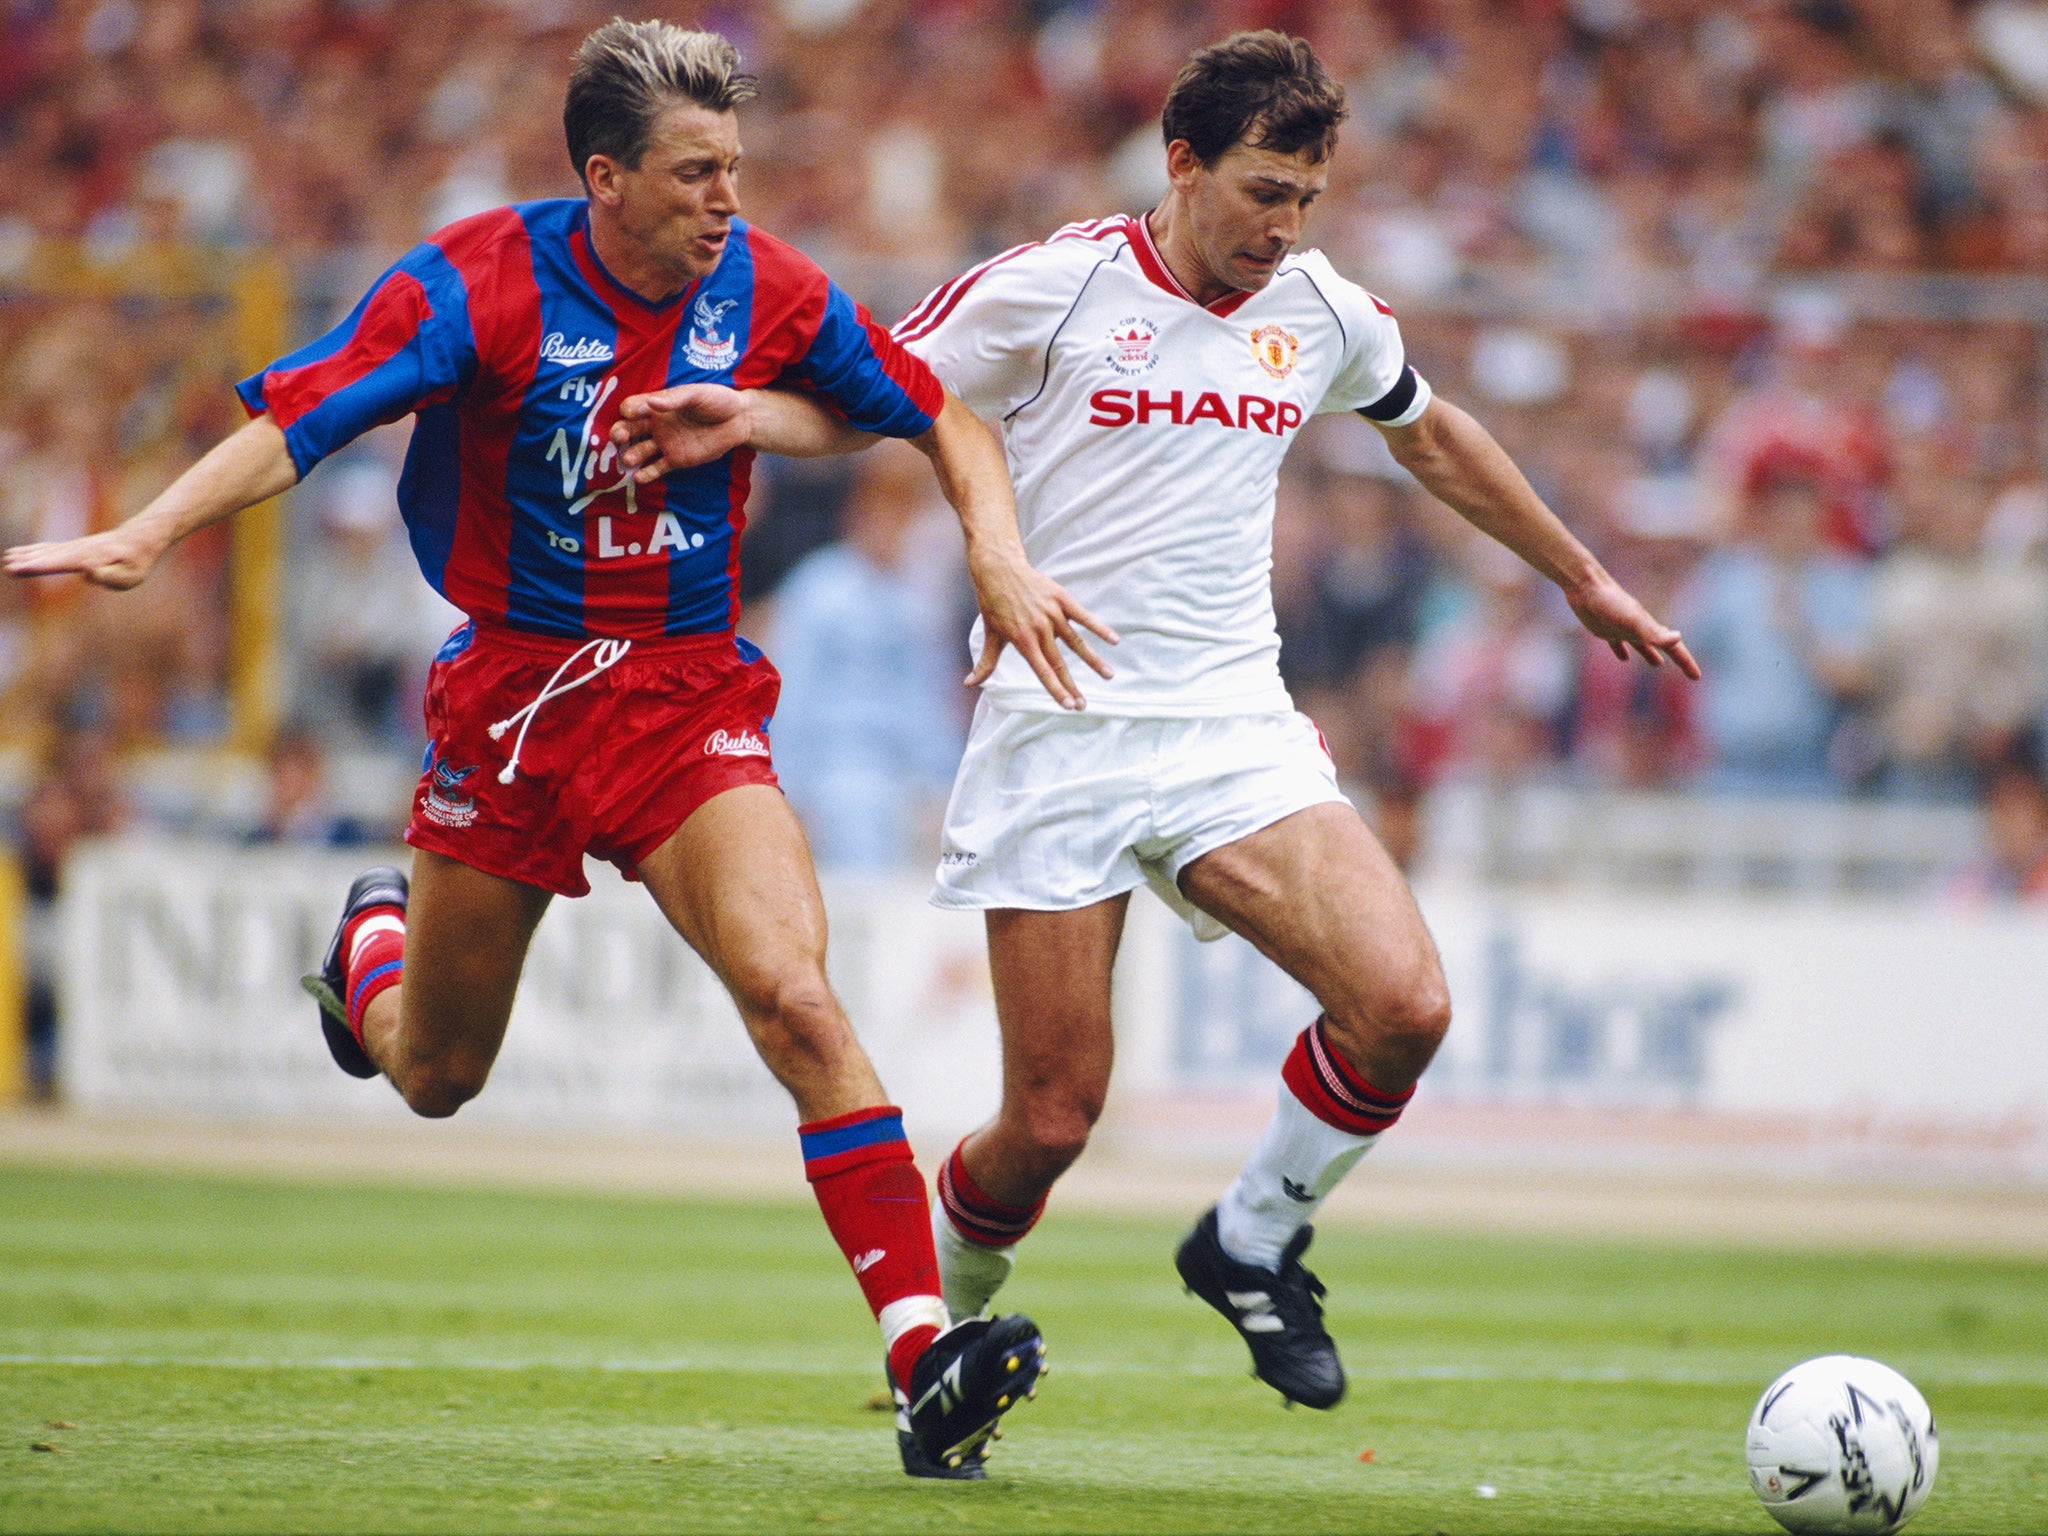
(608, 651)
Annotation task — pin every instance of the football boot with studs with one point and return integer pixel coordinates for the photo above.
(1279, 1314)
(964, 1382)
(915, 1462)
(379, 887)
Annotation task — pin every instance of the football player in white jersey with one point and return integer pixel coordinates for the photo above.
(1148, 375)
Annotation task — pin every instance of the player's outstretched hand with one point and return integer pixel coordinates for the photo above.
(118, 558)
(1608, 611)
(1023, 607)
(680, 428)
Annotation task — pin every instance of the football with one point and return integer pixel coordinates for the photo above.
(1842, 1444)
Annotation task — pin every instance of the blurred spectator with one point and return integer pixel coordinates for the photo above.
(1799, 423)
(1345, 640)
(1490, 692)
(1780, 625)
(366, 623)
(295, 802)
(2015, 862)
(1637, 727)
(1959, 639)
(77, 795)
(869, 731)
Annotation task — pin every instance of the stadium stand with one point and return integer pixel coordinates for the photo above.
(1753, 290)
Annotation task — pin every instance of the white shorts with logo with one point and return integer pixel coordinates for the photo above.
(1051, 812)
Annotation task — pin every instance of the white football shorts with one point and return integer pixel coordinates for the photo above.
(1051, 812)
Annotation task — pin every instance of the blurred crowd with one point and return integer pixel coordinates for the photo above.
(1757, 292)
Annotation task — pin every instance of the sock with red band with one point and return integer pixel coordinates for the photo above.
(975, 1237)
(373, 959)
(872, 1195)
(1328, 1118)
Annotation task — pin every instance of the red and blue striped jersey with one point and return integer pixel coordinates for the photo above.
(514, 346)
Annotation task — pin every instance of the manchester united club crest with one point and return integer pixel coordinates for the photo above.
(1133, 346)
(1273, 349)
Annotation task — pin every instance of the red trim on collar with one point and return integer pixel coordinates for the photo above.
(1153, 265)
(615, 293)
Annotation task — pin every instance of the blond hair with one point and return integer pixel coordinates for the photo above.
(628, 72)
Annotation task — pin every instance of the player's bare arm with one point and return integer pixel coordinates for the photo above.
(1019, 605)
(250, 466)
(695, 423)
(1458, 462)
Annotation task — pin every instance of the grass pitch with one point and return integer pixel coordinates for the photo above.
(211, 1355)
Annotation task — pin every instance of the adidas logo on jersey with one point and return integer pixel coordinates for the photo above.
(1131, 342)
(1121, 407)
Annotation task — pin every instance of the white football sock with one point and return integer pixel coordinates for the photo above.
(969, 1273)
(1257, 1216)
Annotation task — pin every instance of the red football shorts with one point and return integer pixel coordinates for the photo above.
(609, 768)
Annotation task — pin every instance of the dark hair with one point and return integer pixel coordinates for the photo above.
(1262, 89)
(628, 72)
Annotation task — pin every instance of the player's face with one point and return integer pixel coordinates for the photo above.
(1246, 211)
(678, 207)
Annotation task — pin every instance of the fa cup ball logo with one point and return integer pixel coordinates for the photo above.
(1131, 346)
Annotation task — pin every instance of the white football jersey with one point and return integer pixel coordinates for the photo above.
(1145, 433)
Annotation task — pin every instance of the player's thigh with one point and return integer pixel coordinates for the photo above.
(466, 936)
(737, 882)
(1051, 972)
(1319, 896)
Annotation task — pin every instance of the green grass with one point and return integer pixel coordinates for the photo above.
(260, 1356)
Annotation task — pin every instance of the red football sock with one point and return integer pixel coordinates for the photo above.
(373, 961)
(873, 1198)
(1330, 1088)
(979, 1217)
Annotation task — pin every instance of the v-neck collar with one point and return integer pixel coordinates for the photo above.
(600, 278)
(1154, 266)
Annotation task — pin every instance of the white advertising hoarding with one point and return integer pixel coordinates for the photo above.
(1719, 1025)
(181, 994)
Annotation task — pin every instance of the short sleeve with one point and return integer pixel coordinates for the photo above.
(1374, 378)
(858, 366)
(985, 333)
(406, 346)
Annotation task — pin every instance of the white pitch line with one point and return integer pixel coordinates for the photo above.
(686, 1365)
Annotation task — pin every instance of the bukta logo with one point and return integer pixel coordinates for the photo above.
(557, 348)
(1132, 344)
(1273, 348)
(735, 744)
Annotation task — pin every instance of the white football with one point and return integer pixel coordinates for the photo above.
(1842, 1444)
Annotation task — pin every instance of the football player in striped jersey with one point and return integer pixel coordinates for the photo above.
(599, 700)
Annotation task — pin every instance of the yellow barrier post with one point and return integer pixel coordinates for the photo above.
(13, 988)
(256, 567)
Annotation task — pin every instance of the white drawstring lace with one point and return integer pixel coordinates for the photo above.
(608, 651)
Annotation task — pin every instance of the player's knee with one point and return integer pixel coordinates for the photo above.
(437, 1089)
(1398, 1029)
(792, 1016)
(1057, 1124)
(1414, 1019)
